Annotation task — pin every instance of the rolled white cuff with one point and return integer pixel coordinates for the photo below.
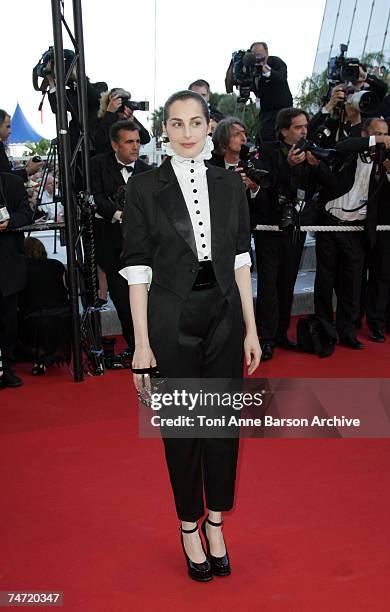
(243, 259)
(137, 275)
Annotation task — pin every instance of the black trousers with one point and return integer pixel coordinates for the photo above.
(266, 132)
(340, 260)
(200, 337)
(8, 327)
(378, 287)
(277, 262)
(119, 293)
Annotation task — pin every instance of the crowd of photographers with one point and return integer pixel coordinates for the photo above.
(330, 170)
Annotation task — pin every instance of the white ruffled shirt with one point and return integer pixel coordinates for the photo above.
(192, 179)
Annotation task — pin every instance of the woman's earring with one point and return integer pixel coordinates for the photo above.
(164, 138)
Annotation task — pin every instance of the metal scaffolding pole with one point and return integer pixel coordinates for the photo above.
(76, 194)
(64, 154)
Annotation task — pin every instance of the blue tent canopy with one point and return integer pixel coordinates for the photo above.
(21, 130)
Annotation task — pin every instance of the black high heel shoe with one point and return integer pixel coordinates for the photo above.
(197, 571)
(220, 566)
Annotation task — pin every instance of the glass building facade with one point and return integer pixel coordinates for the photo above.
(362, 24)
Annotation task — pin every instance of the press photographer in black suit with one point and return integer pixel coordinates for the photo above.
(340, 254)
(93, 97)
(272, 90)
(110, 173)
(277, 253)
(13, 267)
(343, 96)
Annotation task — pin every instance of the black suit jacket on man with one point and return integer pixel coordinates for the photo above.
(13, 268)
(5, 165)
(158, 230)
(106, 180)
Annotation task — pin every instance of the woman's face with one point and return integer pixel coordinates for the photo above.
(186, 127)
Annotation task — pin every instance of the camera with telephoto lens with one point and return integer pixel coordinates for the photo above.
(325, 155)
(342, 69)
(248, 154)
(346, 70)
(246, 67)
(133, 105)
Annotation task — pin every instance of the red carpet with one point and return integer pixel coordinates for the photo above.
(86, 507)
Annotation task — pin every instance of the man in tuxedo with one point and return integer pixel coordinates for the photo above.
(110, 173)
(13, 268)
(272, 90)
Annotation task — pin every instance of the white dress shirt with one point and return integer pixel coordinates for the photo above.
(192, 179)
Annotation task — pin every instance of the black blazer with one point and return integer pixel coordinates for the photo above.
(5, 165)
(13, 267)
(158, 230)
(106, 179)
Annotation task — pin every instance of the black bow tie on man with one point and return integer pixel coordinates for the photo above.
(128, 168)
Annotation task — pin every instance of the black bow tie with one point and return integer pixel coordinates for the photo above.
(128, 168)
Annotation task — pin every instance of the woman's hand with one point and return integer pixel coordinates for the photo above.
(114, 104)
(252, 351)
(143, 358)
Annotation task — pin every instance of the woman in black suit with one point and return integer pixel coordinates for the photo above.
(186, 234)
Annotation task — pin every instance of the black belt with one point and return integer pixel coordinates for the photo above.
(332, 220)
(205, 278)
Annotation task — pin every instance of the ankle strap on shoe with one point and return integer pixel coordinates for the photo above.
(214, 524)
(189, 530)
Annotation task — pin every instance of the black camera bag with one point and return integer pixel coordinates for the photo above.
(315, 336)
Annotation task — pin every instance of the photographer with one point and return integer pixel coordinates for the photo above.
(5, 165)
(340, 254)
(14, 212)
(360, 92)
(93, 96)
(270, 87)
(296, 176)
(229, 140)
(115, 105)
(110, 173)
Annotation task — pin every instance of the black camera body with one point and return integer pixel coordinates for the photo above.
(342, 69)
(246, 67)
(248, 155)
(119, 198)
(133, 105)
(287, 211)
(326, 155)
